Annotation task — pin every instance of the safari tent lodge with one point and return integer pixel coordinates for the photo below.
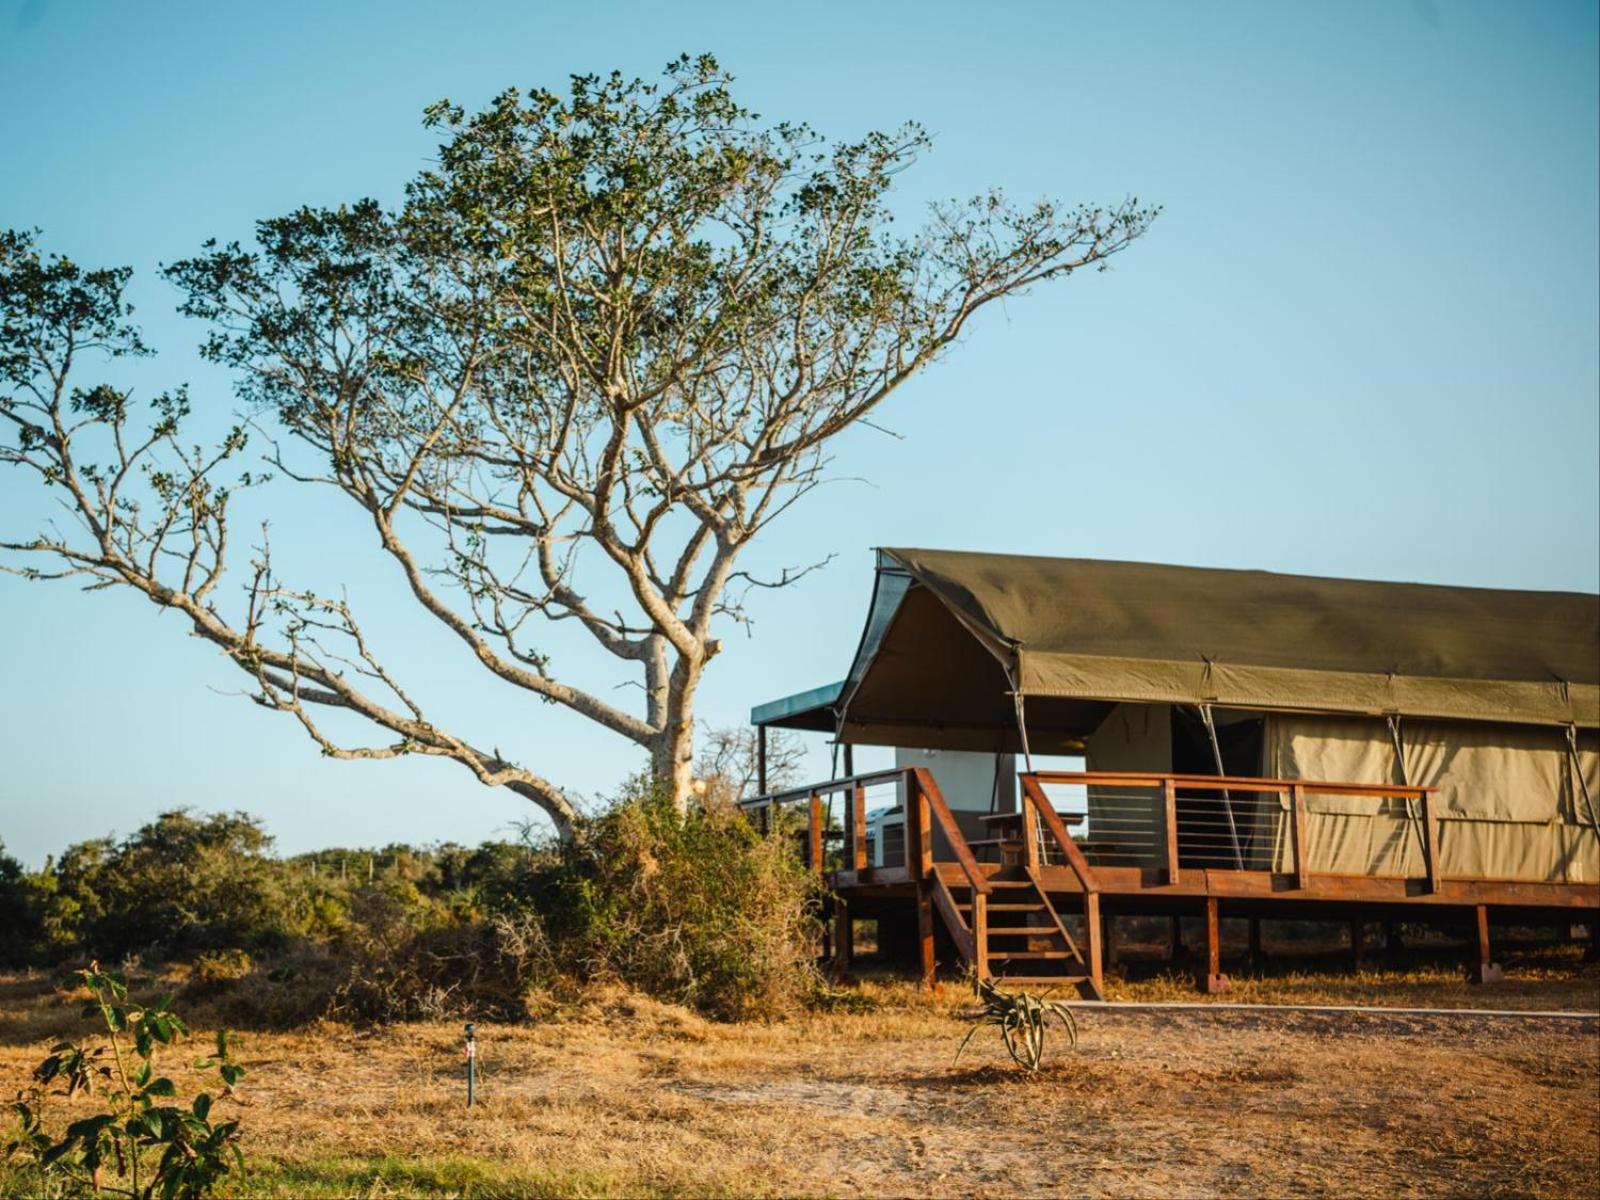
(1250, 744)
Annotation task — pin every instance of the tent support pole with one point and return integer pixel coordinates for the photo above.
(1022, 725)
(1577, 771)
(761, 760)
(1405, 781)
(1227, 800)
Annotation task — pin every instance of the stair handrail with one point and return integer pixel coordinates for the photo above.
(1033, 793)
(925, 786)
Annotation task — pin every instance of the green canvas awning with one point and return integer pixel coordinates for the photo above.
(951, 635)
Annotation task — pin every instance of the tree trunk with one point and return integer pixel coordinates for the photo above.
(672, 750)
(672, 761)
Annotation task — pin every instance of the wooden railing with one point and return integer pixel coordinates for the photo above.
(925, 809)
(854, 788)
(1217, 830)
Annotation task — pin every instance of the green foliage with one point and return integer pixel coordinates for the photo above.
(179, 886)
(1021, 1018)
(699, 910)
(19, 913)
(141, 1143)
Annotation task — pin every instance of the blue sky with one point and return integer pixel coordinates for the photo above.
(1362, 339)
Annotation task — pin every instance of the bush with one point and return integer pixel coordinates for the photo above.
(221, 966)
(699, 910)
(19, 918)
(179, 886)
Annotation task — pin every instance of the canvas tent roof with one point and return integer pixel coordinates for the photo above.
(951, 635)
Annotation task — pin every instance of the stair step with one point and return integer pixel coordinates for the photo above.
(1011, 883)
(1006, 907)
(1008, 954)
(1037, 980)
(1035, 930)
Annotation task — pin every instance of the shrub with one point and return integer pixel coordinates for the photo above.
(179, 886)
(699, 910)
(19, 917)
(221, 966)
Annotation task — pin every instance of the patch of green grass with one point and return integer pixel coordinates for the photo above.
(394, 1176)
(456, 1177)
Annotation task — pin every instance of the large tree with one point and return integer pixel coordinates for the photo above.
(605, 341)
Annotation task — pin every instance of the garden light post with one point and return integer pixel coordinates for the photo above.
(472, 1064)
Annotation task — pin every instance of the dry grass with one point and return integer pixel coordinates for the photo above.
(1427, 974)
(620, 1095)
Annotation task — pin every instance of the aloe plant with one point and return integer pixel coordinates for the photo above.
(1021, 1018)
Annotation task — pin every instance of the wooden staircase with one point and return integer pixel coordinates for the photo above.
(1001, 920)
(1014, 935)
(998, 915)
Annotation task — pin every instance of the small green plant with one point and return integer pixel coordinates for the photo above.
(1021, 1018)
(140, 1144)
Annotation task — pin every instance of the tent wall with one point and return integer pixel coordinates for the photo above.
(1133, 737)
(1509, 800)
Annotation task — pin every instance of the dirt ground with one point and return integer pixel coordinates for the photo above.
(620, 1095)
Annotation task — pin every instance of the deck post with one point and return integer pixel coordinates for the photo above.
(1175, 951)
(1357, 943)
(815, 848)
(925, 933)
(1170, 790)
(1030, 834)
(1214, 981)
(1485, 969)
(1256, 955)
(1297, 831)
(858, 828)
(1091, 933)
(844, 941)
(918, 806)
(1108, 939)
(1430, 839)
(980, 936)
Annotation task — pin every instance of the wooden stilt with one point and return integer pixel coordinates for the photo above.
(925, 933)
(1108, 939)
(1091, 934)
(1592, 954)
(844, 940)
(1256, 957)
(1357, 944)
(1175, 946)
(1484, 969)
(1213, 981)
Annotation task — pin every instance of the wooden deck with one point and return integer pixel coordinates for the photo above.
(1210, 846)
